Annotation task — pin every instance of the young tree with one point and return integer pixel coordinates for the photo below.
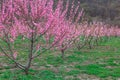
(73, 31)
(36, 22)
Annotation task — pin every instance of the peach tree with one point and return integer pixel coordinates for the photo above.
(37, 26)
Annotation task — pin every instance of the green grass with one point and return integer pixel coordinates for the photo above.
(101, 62)
(95, 69)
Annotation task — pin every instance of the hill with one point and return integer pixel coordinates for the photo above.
(103, 10)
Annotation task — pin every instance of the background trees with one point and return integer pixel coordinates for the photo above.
(104, 10)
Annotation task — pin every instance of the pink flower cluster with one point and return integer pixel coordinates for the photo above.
(99, 29)
(37, 18)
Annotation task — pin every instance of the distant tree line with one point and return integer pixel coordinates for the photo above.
(104, 10)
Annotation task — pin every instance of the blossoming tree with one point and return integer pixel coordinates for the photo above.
(34, 22)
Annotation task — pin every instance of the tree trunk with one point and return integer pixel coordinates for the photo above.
(63, 55)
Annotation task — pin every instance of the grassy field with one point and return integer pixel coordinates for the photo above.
(100, 63)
